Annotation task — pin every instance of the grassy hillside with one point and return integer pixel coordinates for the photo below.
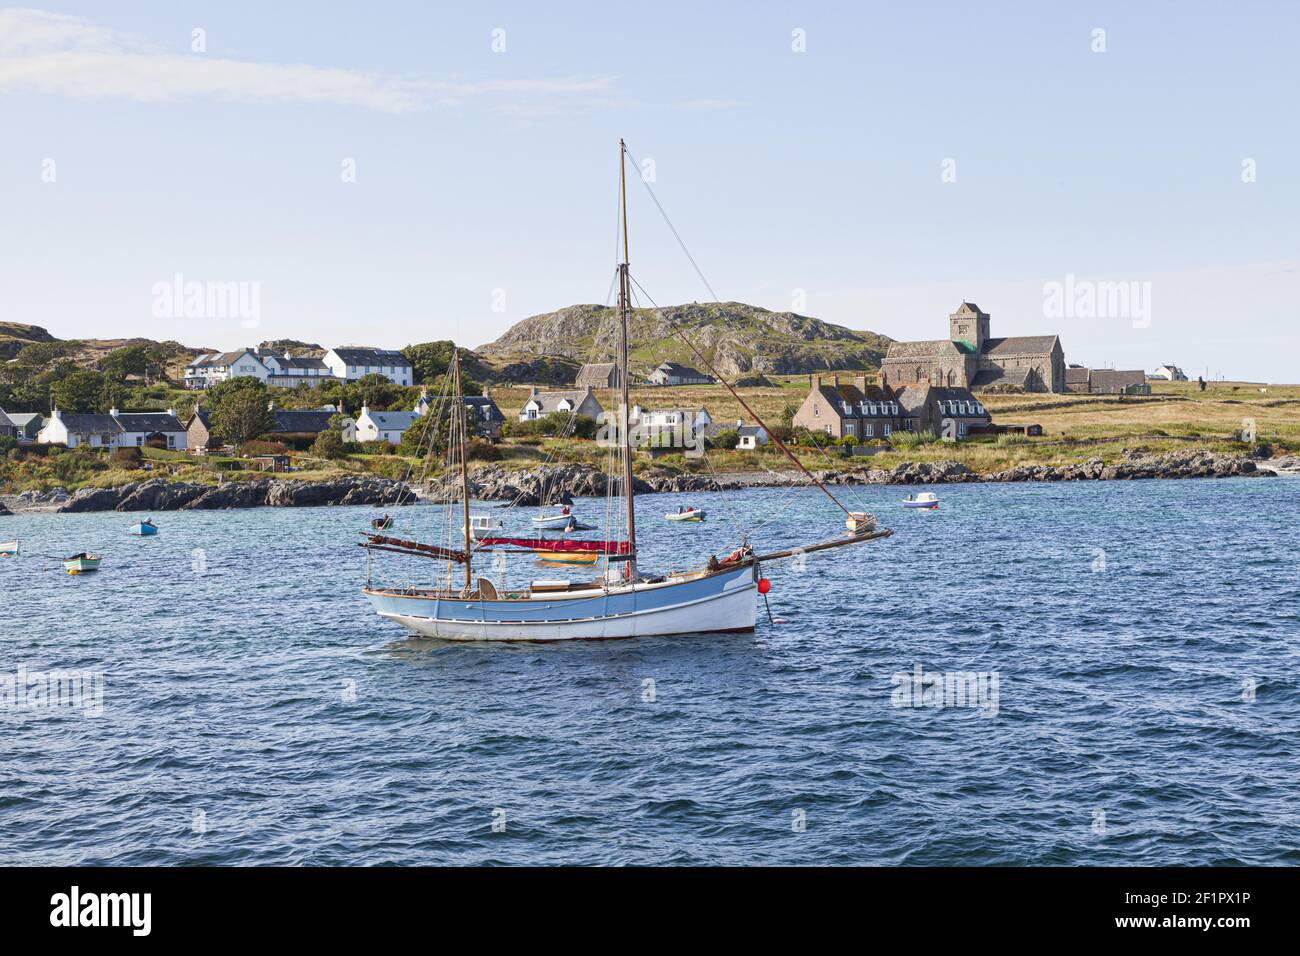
(737, 338)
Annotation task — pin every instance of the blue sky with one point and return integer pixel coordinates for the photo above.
(814, 180)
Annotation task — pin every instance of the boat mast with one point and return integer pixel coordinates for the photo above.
(459, 424)
(623, 361)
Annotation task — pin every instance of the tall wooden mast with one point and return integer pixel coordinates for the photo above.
(458, 423)
(623, 306)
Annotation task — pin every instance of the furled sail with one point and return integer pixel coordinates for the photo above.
(561, 544)
(414, 547)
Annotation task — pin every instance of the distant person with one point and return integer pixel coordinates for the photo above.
(1200, 383)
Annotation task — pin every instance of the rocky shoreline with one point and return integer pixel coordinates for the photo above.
(564, 482)
(158, 494)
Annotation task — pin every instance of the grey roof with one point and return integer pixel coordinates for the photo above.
(1001, 376)
(25, 418)
(1020, 345)
(755, 430)
(5, 420)
(486, 408)
(681, 371)
(299, 361)
(360, 355)
(394, 421)
(148, 422)
(1109, 378)
(89, 424)
(597, 374)
(549, 402)
(301, 420)
(923, 349)
(203, 415)
(1077, 376)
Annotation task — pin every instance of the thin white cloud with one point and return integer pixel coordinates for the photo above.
(69, 56)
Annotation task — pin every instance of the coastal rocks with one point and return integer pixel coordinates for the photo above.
(4, 510)
(338, 491)
(232, 494)
(159, 495)
(556, 484)
(96, 499)
(931, 472)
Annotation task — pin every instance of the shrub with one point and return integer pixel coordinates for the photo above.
(480, 450)
(1012, 438)
(905, 439)
(252, 449)
(726, 438)
(329, 444)
(125, 458)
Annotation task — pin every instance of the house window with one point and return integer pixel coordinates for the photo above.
(887, 431)
(171, 441)
(139, 440)
(848, 429)
(961, 429)
(816, 410)
(868, 430)
(828, 429)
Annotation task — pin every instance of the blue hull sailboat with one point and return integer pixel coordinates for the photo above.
(621, 600)
(144, 529)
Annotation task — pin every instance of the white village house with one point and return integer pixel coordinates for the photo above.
(114, 430)
(579, 401)
(285, 370)
(386, 426)
(688, 422)
(355, 361)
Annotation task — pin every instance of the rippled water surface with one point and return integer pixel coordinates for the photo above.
(256, 711)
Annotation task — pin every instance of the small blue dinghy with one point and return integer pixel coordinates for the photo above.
(144, 528)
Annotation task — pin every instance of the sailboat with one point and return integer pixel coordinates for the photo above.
(623, 600)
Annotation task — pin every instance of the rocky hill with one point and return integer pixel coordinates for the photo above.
(14, 336)
(737, 338)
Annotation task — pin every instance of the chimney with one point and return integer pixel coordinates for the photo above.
(860, 381)
(55, 413)
(113, 411)
(270, 406)
(835, 381)
(814, 382)
(171, 412)
(486, 393)
(365, 409)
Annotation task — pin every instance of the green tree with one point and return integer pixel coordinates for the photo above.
(429, 360)
(329, 443)
(78, 392)
(726, 438)
(376, 391)
(241, 414)
(128, 360)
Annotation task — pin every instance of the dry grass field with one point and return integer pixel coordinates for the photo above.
(1075, 427)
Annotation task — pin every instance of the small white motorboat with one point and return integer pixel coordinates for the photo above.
(9, 549)
(483, 524)
(551, 522)
(926, 499)
(686, 514)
